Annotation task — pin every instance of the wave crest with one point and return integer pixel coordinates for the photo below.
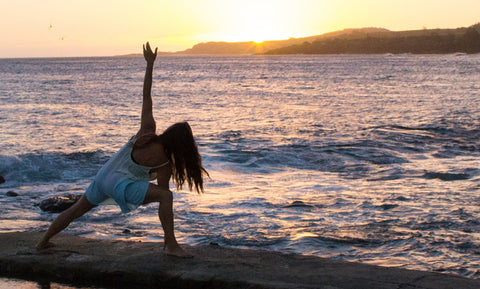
(51, 167)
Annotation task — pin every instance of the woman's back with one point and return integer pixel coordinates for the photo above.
(151, 154)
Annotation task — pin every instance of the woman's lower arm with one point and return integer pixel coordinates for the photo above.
(147, 120)
(147, 84)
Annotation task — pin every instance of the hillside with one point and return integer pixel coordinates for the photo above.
(251, 47)
(426, 41)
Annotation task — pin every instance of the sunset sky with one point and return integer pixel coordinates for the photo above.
(33, 28)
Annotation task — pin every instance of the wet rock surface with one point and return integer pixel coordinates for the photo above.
(298, 204)
(12, 194)
(114, 263)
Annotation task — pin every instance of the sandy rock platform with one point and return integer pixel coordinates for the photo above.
(129, 264)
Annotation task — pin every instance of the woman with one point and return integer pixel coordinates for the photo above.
(125, 177)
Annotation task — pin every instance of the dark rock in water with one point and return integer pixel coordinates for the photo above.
(59, 204)
(298, 204)
(446, 176)
(2, 179)
(12, 194)
(131, 233)
(386, 207)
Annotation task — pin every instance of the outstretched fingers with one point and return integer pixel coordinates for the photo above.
(148, 53)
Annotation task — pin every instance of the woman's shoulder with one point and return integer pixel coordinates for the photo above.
(140, 140)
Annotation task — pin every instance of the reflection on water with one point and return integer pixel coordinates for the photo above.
(361, 158)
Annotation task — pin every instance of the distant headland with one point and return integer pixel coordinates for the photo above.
(381, 41)
(352, 41)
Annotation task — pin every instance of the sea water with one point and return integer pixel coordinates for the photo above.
(373, 159)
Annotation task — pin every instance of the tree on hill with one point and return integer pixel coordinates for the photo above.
(477, 27)
(470, 41)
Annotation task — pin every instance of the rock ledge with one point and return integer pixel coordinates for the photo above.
(123, 264)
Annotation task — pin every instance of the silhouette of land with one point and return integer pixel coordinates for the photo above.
(353, 41)
(251, 47)
(427, 41)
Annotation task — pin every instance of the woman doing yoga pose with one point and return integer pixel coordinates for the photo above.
(126, 177)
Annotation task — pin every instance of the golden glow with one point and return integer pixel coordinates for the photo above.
(258, 21)
(89, 27)
(300, 235)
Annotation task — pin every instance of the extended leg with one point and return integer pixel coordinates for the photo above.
(63, 220)
(165, 214)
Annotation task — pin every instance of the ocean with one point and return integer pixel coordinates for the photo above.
(372, 159)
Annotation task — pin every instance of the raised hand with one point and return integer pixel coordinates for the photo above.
(147, 124)
(149, 54)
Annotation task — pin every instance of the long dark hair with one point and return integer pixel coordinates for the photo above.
(182, 152)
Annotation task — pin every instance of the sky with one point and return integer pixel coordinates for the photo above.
(59, 28)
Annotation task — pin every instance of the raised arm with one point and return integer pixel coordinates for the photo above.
(147, 125)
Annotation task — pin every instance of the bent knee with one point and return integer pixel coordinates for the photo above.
(156, 194)
(167, 196)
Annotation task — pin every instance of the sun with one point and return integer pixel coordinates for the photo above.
(253, 35)
(264, 31)
(259, 32)
(259, 22)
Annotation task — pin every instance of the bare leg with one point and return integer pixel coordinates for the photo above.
(63, 220)
(165, 214)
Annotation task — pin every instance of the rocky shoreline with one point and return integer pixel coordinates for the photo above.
(123, 264)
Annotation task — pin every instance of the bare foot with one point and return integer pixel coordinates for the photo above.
(42, 246)
(177, 251)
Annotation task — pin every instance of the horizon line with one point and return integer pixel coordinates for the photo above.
(179, 52)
